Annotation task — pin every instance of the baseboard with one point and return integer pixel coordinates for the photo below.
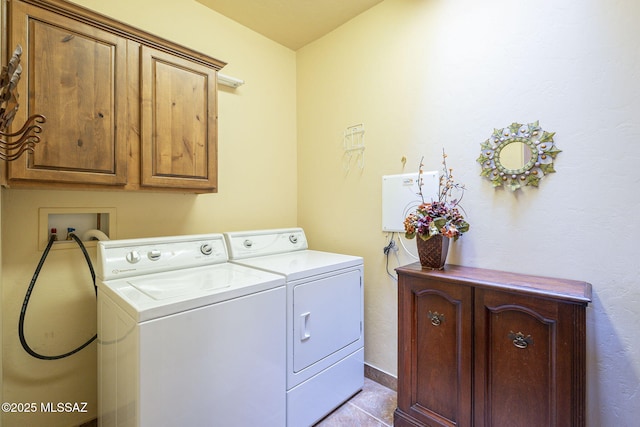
(381, 377)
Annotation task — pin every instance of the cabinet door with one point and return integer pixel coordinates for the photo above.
(179, 122)
(74, 75)
(529, 358)
(435, 353)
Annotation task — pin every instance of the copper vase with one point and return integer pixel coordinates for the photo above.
(433, 252)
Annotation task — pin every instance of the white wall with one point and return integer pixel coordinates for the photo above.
(426, 74)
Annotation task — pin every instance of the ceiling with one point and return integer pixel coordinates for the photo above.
(292, 23)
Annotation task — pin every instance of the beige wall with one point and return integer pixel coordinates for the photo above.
(257, 188)
(423, 75)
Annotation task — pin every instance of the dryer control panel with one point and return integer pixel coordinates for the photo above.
(247, 244)
(133, 257)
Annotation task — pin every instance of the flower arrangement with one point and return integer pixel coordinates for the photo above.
(441, 216)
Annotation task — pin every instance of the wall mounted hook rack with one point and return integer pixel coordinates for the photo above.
(27, 137)
(353, 143)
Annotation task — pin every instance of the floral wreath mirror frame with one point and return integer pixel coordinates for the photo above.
(541, 153)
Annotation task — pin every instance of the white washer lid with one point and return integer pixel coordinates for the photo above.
(161, 294)
(301, 264)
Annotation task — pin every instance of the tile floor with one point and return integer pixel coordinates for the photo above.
(372, 407)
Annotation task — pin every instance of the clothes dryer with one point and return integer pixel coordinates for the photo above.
(325, 340)
(186, 338)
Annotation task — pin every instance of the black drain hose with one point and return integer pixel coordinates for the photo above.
(23, 312)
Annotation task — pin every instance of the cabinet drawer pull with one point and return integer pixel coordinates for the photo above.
(520, 340)
(436, 318)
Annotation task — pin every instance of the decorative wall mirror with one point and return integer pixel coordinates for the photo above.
(518, 155)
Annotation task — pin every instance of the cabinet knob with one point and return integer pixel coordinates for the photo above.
(520, 340)
(436, 318)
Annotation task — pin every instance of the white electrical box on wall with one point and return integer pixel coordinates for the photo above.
(401, 196)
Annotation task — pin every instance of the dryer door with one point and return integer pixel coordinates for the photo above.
(327, 317)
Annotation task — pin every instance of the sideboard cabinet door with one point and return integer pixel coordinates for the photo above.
(434, 382)
(528, 361)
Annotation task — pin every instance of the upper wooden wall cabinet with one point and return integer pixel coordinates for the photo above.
(124, 109)
(487, 348)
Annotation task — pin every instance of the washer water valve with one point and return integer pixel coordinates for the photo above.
(69, 231)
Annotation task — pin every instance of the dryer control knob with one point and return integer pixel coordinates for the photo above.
(154, 255)
(293, 239)
(206, 249)
(133, 257)
(247, 244)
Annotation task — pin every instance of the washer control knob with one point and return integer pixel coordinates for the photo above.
(247, 244)
(206, 248)
(293, 238)
(133, 257)
(154, 255)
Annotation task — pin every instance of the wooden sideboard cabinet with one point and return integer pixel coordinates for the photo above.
(488, 348)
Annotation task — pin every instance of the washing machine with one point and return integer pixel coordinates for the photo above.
(186, 338)
(325, 341)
